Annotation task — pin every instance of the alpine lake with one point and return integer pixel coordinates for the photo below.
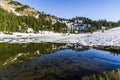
(55, 61)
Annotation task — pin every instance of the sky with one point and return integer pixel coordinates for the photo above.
(93, 9)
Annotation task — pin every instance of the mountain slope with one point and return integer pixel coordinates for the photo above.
(17, 8)
(16, 17)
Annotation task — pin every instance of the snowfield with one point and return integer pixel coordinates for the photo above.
(107, 38)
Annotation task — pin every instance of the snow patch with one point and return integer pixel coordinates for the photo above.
(108, 38)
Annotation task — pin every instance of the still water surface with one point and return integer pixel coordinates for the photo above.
(64, 64)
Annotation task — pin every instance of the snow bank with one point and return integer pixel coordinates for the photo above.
(108, 38)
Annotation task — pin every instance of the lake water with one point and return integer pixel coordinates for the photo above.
(55, 62)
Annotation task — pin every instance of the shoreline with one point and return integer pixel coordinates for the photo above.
(80, 39)
(108, 38)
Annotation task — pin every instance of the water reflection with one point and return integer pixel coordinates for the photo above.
(16, 54)
(65, 64)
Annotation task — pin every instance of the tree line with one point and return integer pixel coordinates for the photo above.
(12, 23)
(96, 24)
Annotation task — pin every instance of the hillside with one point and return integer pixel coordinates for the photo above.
(16, 17)
(84, 25)
(23, 10)
(17, 8)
